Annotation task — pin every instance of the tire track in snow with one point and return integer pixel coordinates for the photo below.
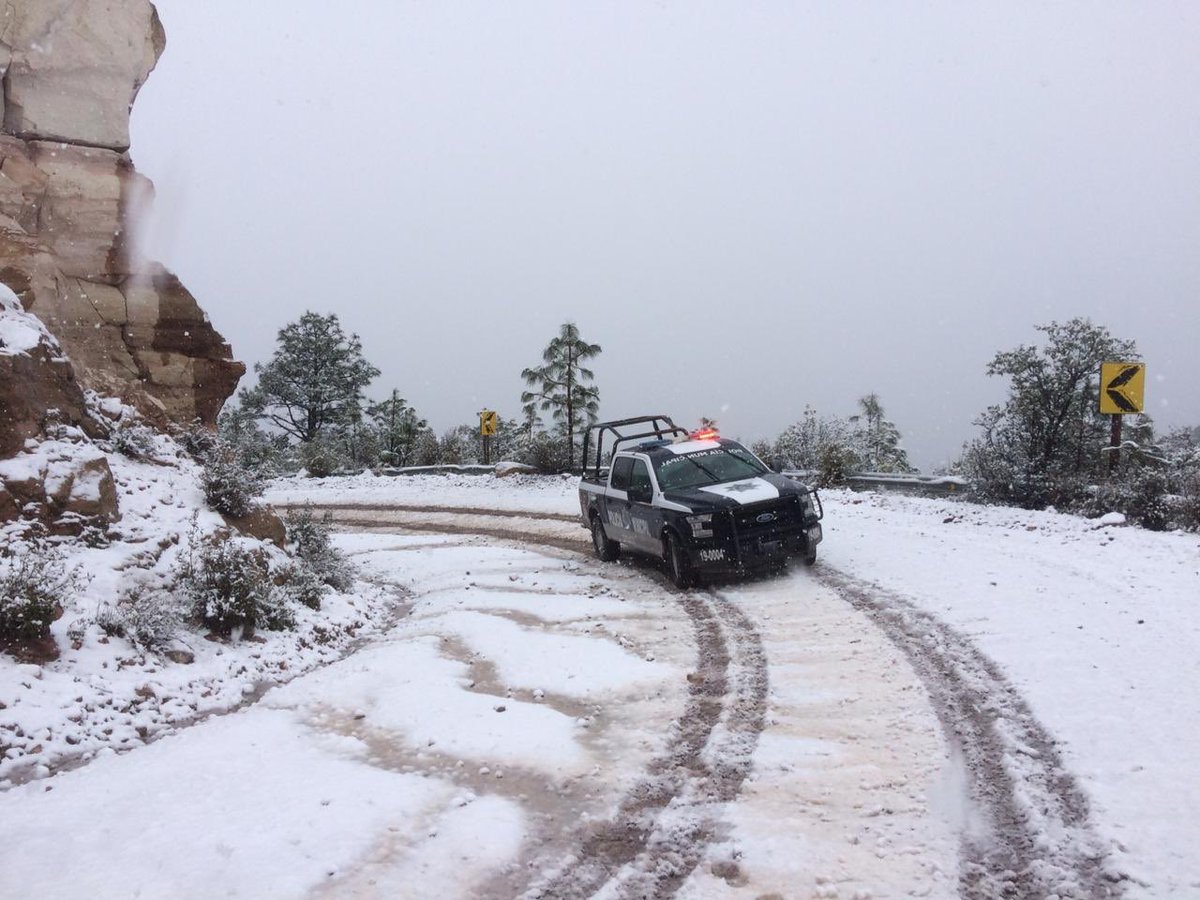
(664, 823)
(1035, 837)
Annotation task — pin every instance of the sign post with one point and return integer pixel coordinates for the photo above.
(488, 421)
(1122, 390)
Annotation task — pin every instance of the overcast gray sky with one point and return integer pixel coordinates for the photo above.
(750, 206)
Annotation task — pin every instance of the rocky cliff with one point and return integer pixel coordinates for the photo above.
(68, 198)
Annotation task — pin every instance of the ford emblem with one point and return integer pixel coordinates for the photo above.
(765, 517)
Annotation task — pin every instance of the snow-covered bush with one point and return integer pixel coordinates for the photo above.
(545, 452)
(834, 464)
(302, 585)
(1189, 502)
(34, 587)
(255, 449)
(144, 614)
(198, 440)
(321, 457)
(133, 439)
(229, 487)
(310, 538)
(823, 444)
(228, 586)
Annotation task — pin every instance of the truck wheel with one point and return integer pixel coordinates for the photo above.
(606, 549)
(810, 554)
(678, 565)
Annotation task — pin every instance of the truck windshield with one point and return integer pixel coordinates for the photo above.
(705, 467)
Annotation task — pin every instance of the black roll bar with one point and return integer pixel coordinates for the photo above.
(661, 427)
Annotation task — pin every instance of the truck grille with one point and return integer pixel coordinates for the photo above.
(764, 529)
(768, 518)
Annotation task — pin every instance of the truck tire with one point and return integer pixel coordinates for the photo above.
(810, 554)
(606, 549)
(679, 567)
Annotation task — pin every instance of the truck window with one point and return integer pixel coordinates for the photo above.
(640, 477)
(705, 467)
(622, 466)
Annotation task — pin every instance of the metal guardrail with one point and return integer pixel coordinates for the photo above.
(923, 485)
(441, 470)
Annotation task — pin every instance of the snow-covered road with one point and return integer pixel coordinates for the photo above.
(544, 725)
(536, 725)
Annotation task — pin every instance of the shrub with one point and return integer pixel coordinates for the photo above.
(133, 439)
(315, 551)
(546, 453)
(34, 584)
(302, 585)
(1188, 508)
(834, 464)
(147, 616)
(198, 440)
(321, 458)
(228, 585)
(229, 487)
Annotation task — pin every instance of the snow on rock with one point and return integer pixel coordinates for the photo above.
(1112, 518)
(38, 388)
(20, 332)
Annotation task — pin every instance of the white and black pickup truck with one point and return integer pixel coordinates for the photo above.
(701, 503)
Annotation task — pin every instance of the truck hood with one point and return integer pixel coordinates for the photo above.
(730, 494)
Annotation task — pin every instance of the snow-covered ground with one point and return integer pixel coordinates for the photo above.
(103, 694)
(533, 695)
(1096, 625)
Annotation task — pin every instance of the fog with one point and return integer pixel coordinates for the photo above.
(751, 207)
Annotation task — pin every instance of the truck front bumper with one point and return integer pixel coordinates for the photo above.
(739, 555)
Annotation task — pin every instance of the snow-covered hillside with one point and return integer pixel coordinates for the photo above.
(105, 693)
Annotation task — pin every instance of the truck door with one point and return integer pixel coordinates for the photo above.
(615, 509)
(643, 517)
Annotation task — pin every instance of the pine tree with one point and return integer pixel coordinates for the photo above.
(315, 378)
(398, 430)
(878, 440)
(560, 385)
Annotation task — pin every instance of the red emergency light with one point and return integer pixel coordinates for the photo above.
(704, 434)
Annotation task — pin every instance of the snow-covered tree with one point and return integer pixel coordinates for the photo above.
(1043, 444)
(821, 444)
(315, 378)
(397, 428)
(877, 440)
(561, 385)
(254, 448)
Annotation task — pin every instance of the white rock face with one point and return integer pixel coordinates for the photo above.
(75, 67)
(68, 195)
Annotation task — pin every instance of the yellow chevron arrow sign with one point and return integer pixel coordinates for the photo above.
(1122, 388)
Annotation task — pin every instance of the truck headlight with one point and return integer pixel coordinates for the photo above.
(701, 525)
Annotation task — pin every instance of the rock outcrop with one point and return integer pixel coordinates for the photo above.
(38, 389)
(69, 195)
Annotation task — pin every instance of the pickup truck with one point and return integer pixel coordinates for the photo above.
(699, 502)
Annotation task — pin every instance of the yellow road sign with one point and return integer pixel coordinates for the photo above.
(1122, 387)
(487, 422)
